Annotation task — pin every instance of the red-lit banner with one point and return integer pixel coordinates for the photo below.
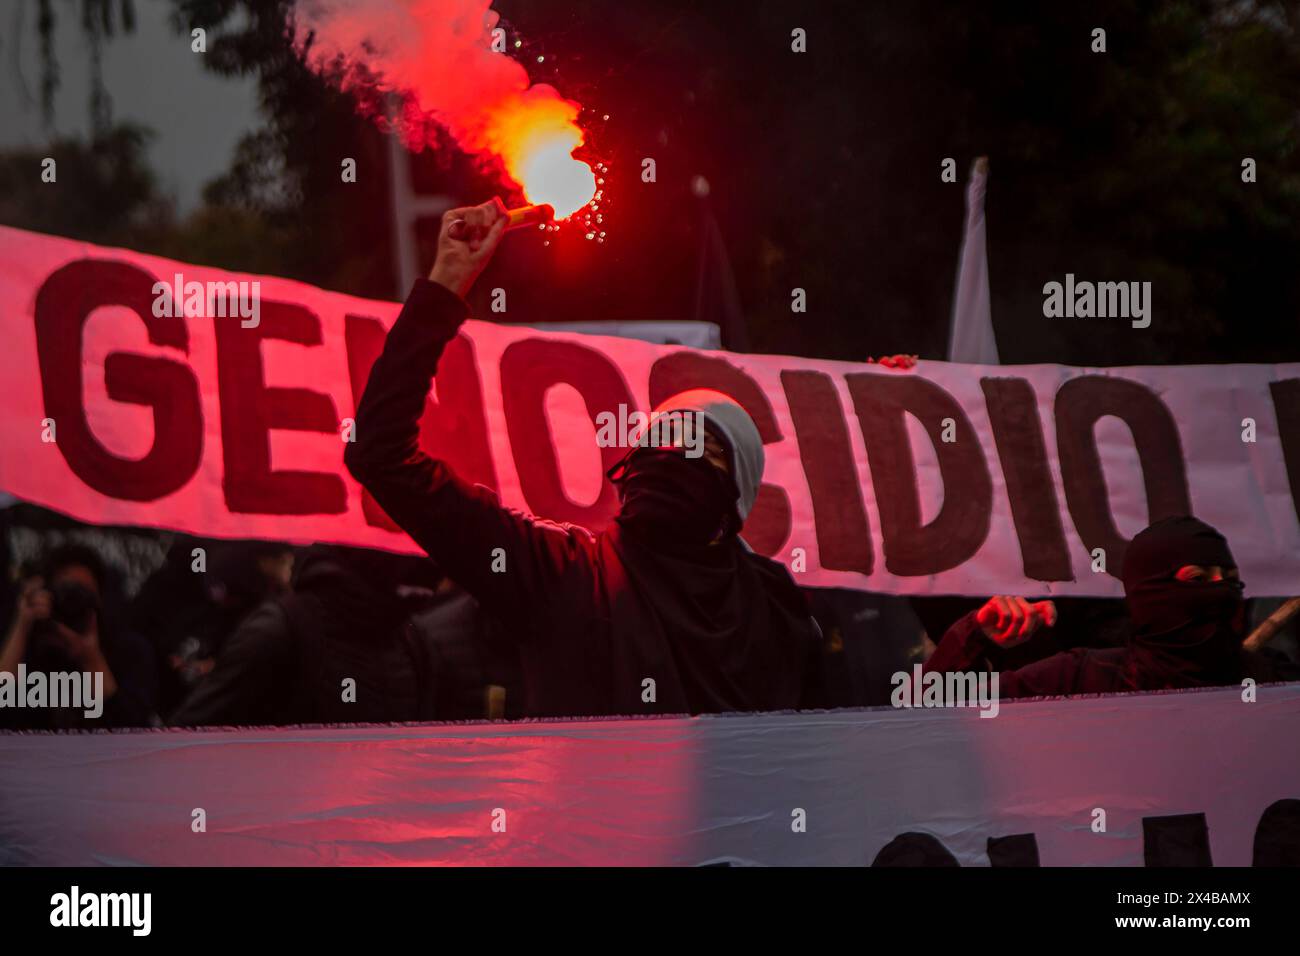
(143, 391)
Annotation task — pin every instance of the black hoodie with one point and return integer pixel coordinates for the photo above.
(286, 662)
(609, 623)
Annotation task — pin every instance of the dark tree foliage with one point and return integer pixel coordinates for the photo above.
(105, 191)
(99, 20)
(286, 178)
(824, 167)
(823, 170)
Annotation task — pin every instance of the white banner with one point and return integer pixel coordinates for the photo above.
(828, 788)
(959, 479)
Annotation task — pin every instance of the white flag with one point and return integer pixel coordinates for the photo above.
(971, 335)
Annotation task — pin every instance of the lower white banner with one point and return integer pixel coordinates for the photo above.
(1160, 778)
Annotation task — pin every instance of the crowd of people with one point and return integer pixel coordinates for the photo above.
(268, 634)
(665, 611)
(254, 633)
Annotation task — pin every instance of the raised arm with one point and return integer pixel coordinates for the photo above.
(461, 526)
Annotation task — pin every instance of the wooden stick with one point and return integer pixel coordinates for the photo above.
(1272, 624)
(495, 700)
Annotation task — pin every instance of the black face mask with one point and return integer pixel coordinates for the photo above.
(1177, 612)
(675, 501)
(1186, 633)
(1191, 629)
(1168, 611)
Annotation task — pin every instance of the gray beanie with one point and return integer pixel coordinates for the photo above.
(725, 417)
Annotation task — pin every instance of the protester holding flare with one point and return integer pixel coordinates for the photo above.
(665, 611)
(1184, 598)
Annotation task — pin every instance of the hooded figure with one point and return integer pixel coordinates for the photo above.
(1185, 603)
(665, 611)
(683, 501)
(1186, 633)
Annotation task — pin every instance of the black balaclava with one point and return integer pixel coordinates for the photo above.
(674, 501)
(1185, 633)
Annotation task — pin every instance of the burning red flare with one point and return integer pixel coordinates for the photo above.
(535, 136)
(430, 54)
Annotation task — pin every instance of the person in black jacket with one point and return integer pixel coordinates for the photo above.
(1184, 598)
(348, 618)
(187, 615)
(665, 611)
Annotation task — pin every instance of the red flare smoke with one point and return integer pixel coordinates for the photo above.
(437, 55)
